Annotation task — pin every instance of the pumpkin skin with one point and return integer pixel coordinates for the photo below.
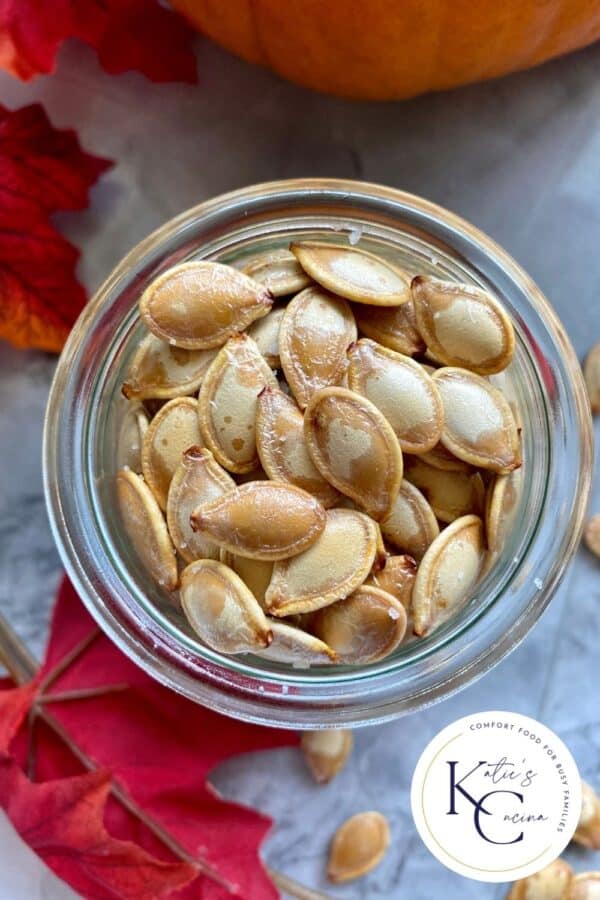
(390, 49)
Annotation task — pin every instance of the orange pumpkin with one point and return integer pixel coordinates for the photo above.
(385, 49)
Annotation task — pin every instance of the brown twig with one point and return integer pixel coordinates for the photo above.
(81, 694)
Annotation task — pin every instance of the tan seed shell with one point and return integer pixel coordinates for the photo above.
(354, 274)
(364, 627)
(393, 326)
(411, 524)
(463, 325)
(262, 519)
(591, 373)
(282, 446)
(227, 403)
(591, 535)
(397, 577)
(585, 886)
(294, 646)
(448, 573)
(401, 391)
(172, 430)
(551, 883)
(358, 846)
(315, 333)
(146, 529)
(336, 564)
(441, 458)
(163, 371)
(255, 573)
(198, 479)
(199, 305)
(450, 494)
(588, 827)
(502, 501)
(265, 333)
(479, 426)
(221, 609)
(355, 448)
(133, 427)
(326, 752)
(279, 271)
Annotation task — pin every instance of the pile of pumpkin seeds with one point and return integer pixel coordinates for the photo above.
(314, 460)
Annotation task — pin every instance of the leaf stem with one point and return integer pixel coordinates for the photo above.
(81, 694)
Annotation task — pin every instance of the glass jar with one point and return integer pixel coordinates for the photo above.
(82, 423)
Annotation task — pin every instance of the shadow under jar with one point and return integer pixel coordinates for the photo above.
(80, 464)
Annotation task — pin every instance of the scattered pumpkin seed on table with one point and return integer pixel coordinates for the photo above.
(358, 846)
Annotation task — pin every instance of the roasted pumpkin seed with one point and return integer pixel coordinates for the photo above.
(358, 846)
(450, 494)
(585, 886)
(146, 528)
(588, 828)
(160, 370)
(401, 391)
(448, 573)
(591, 372)
(354, 274)
(463, 325)
(364, 627)
(262, 519)
(265, 333)
(393, 326)
(441, 458)
(591, 535)
(336, 564)
(133, 427)
(199, 305)
(172, 430)
(551, 883)
(502, 500)
(315, 333)
(255, 573)
(227, 403)
(282, 446)
(326, 752)
(198, 479)
(221, 609)
(479, 426)
(397, 577)
(279, 271)
(354, 448)
(293, 645)
(411, 524)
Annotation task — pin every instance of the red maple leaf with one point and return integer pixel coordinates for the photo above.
(42, 170)
(127, 34)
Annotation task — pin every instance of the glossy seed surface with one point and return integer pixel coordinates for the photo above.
(315, 333)
(161, 370)
(448, 573)
(441, 458)
(397, 577)
(551, 883)
(282, 446)
(227, 403)
(336, 564)
(326, 752)
(392, 326)
(255, 573)
(401, 391)
(354, 448)
(279, 271)
(588, 828)
(463, 325)
(265, 333)
(132, 429)
(294, 646)
(172, 430)
(146, 528)
(411, 524)
(585, 886)
(262, 519)
(449, 494)
(221, 609)
(479, 426)
(352, 273)
(364, 627)
(358, 846)
(502, 502)
(591, 372)
(198, 479)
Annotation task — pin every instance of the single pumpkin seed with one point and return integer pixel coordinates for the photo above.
(354, 448)
(336, 564)
(502, 501)
(294, 646)
(198, 479)
(585, 886)
(282, 446)
(411, 524)
(227, 403)
(146, 528)
(551, 883)
(133, 427)
(199, 305)
(358, 846)
(315, 333)
(393, 326)
(279, 271)
(449, 494)
(364, 627)
(479, 426)
(172, 430)
(161, 370)
(401, 391)
(221, 609)
(463, 325)
(441, 458)
(354, 274)
(588, 828)
(262, 519)
(265, 333)
(591, 372)
(591, 535)
(397, 577)
(448, 573)
(255, 573)
(326, 752)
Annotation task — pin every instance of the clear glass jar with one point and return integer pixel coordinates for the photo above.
(80, 461)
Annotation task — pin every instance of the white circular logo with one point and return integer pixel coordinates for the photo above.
(496, 796)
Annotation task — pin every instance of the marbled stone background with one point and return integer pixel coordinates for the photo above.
(518, 157)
